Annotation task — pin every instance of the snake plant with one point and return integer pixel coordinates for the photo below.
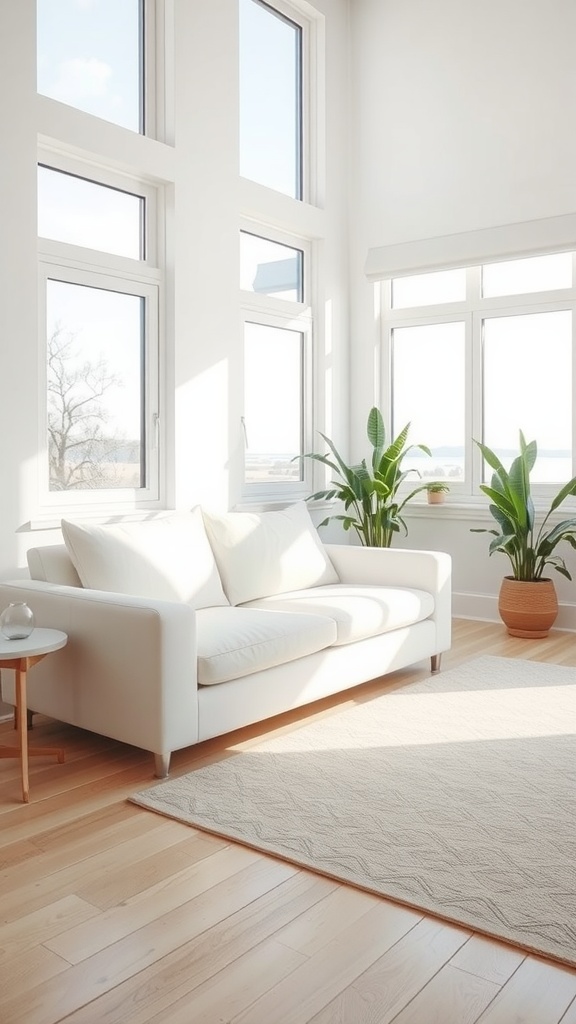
(529, 548)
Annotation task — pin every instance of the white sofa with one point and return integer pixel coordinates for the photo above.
(190, 625)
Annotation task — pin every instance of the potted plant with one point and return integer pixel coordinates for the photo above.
(527, 602)
(436, 491)
(369, 492)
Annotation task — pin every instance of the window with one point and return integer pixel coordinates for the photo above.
(277, 375)
(484, 362)
(94, 385)
(91, 56)
(100, 294)
(81, 212)
(271, 132)
(273, 365)
(269, 268)
(534, 351)
(431, 400)
(429, 289)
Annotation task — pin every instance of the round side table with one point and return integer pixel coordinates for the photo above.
(21, 655)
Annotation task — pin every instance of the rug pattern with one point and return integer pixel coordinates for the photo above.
(455, 795)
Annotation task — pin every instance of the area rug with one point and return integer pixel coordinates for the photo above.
(455, 795)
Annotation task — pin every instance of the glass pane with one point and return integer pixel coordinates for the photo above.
(82, 212)
(537, 274)
(95, 385)
(89, 56)
(272, 403)
(429, 390)
(429, 289)
(270, 99)
(270, 268)
(524, 391)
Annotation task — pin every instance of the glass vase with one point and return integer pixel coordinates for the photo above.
(16, 621)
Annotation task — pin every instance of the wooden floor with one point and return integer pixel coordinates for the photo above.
(112, 913)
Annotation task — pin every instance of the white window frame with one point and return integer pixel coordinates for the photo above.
(270, 311)
(144, 277)
(299, 16)
(110, 178)
(473, 311)
(103, 500)
(280, 491)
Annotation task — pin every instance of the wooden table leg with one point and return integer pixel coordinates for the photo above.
(22, 731)
(23, 751)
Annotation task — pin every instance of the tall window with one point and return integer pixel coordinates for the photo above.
(91, 56)
(483, 353)
(271, 110)
(273, 364)
(100, 294)
(277, 354)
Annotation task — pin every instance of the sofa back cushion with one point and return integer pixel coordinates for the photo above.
(167, 559)
(52, 564)
(264, 553)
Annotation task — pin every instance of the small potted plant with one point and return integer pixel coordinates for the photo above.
(436, 491)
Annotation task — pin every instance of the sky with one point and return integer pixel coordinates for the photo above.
(88, 56)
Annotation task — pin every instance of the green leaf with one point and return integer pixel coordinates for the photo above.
(518, 490)
(502, 502)
(375, 428)
(492, 459)
(569, 488)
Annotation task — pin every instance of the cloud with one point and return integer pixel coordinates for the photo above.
(81, 78)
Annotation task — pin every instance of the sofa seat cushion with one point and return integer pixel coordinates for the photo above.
(358, 610)
(235, 642)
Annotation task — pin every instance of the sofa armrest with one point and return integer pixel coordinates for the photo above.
(129, 670)
(401, 567)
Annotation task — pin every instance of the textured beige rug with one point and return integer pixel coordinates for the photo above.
(455, 795)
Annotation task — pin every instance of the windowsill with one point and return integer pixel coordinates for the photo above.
(478, 510)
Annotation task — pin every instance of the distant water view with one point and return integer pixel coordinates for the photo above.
(448, 464)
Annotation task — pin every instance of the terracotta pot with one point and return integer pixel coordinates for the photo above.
(436, 497)
(528, 609)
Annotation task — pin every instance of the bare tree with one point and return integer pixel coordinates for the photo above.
(81, 451)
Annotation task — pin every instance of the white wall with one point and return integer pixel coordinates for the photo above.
(202, 341)
(464, 114)
(462, 120)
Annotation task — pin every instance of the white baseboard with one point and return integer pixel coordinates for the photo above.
(485, 607)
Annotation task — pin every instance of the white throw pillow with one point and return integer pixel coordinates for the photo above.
(264, 553)
(167, 559)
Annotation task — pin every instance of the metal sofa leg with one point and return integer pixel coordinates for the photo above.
(161, 765)
(435, 662)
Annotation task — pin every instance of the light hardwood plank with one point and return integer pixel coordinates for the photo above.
(451, 997)
(148, 870)
(178, 974)
(37, 963)
(494, 961)
(384, 989)
(333, 968)
(42, 925)
(88, 979)
(538, 993)
(232, 991)
(325, 920)
(170, 894)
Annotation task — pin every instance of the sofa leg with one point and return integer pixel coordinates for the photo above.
(161, 765)
(435, 662)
